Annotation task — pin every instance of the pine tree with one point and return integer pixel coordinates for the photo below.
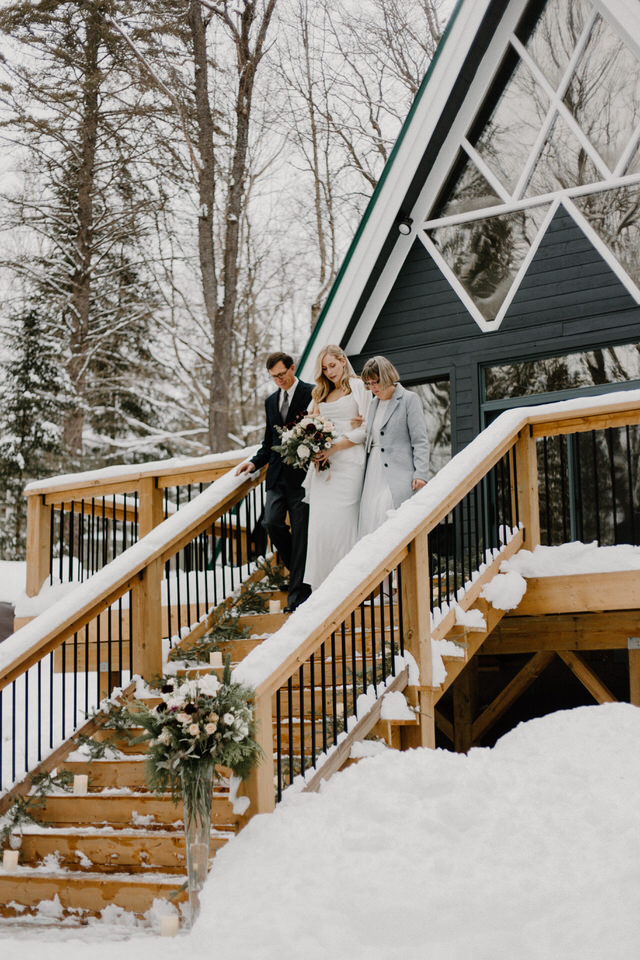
(35, 398)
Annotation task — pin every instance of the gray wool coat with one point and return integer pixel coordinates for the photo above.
(404, 444)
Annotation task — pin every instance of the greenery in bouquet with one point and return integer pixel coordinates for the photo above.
(201, 722)
(304, 439)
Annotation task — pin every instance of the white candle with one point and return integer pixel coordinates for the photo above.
(80, 783)
(169, 926)
(274, 606)
(10, 859)
(215, 658)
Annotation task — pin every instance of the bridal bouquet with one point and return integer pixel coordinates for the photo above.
(304, 439)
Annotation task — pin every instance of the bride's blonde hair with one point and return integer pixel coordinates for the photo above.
(324, 386)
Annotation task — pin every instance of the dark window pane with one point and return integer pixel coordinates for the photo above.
(436, 403)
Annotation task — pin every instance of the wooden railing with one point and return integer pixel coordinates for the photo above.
(78, 523)
(349, 638)
(55, 670)
(438, 550)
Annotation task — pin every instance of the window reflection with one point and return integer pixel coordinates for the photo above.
(563, 162)
(485, 255)
(471, 191)
(615, 216)
(436, 404)
(554, 37)
(507, 139)
(604, 94)
(548, 374)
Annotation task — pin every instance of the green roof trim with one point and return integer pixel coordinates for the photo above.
(374, 196)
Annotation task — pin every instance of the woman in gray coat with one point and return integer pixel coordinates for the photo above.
(396, 445)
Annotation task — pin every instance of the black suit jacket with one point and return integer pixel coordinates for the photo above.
(277, 470)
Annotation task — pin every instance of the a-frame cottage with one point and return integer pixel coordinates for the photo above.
(497, 266)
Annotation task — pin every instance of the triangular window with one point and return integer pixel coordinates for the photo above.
(557, 123)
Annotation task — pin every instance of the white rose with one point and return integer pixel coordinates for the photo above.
(210, 728)
(228, 719)
(303, 451)
(194, 729)
(183, 717)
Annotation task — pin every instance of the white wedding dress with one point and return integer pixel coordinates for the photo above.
(334, 495)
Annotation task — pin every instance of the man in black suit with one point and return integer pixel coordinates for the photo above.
(284, 483)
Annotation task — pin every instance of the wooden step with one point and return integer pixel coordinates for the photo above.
(132, 808)
(113, 850)
(89, 892)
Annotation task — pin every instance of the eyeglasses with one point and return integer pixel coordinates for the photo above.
(370, 383)
(280, 376)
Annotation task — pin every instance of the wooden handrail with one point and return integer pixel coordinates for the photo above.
(403, 540)
(132, 570)
(81, 492)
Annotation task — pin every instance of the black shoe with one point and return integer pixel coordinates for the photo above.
(290, 607)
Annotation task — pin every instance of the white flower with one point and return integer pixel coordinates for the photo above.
(165, 737)
(210, 728)
(228, 719)
(183, 717)
(303, 451)
(194, 729)
(213, 718)
(209, 685)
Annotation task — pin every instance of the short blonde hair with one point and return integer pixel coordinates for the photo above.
(382, 370)
(324, 386)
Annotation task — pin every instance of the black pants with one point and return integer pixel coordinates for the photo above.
(291, 544)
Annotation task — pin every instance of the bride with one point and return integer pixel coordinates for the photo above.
(334, 495)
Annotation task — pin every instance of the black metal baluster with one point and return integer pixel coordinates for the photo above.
(81, 557)
(26, 721)
(612, 471)
(278, 746)
(374, 651)
(302, 714)
(39, 738)
(52, 514)
(71, 543)
(290, 712)
(51, 667)
(63, 680)
(383, 637)
(632, 519)
(354, 671)
(596, 493)
(323, 682)
(400, 611)
(312, 685)
(334, 689)
(13, 731)
(363, 649)
(343, 640)
(563, 488)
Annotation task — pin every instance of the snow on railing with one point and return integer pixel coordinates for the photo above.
(77, 523)
(55, 670)
(417, 573)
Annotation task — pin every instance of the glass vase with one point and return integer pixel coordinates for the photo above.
(197, 794)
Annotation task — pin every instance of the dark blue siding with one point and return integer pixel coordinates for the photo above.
(569, 300)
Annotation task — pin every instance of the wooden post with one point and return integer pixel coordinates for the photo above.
(147, 630)
(150, 511)
(417, 641)
(38, 543)
(259, 786)
(527, 488)
(465, 691)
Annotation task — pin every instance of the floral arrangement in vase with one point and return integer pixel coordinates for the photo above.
(199, 726)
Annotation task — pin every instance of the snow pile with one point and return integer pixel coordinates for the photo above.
(573, 558)
(505, 590)
(529, 850)
(13, 574)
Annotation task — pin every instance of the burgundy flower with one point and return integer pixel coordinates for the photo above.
(168, 688)
(190, 708)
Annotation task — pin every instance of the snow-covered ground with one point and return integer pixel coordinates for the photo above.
(530, 849)
(13, 575)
